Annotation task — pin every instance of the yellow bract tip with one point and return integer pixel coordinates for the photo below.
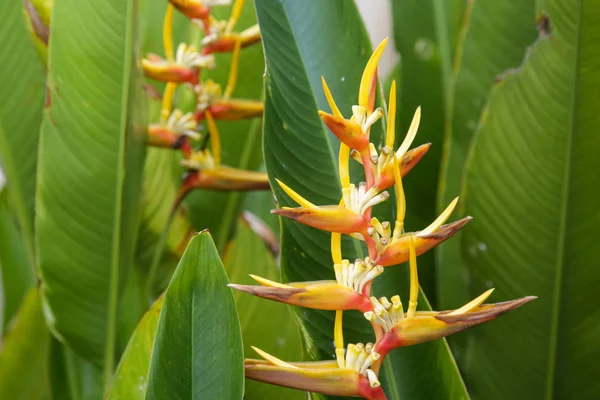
(338, 333)
(410, 135)
(334, 108)
(414, 279)
(400, 197)
(272, 359)
(269, 283)
(233, 69)
(473, 303)
(435, 225)
(369, 72)
(167, 100)
(235, 15)
(295, 196)
(215, 140)
(336, 247)
(168, 33)
(344, 165)
(390, 136)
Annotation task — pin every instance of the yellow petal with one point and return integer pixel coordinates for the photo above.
(391, 118)
(270, 283)
(473, 304)
(295, 196)
(443, 217)
(274, 360)
(369, 72)
(334, 108)
(410, 135)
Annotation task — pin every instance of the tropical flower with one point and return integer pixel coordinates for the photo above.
(183, 69)
(355, 372)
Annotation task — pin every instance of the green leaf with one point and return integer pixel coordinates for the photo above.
(268, 325)
(16, 271)
(22, 86)
(482, 55)
(531, 185)
(303, 42)
(198, 347)
(24, 356)
(131, 378)
(240, 140)
(91, 156)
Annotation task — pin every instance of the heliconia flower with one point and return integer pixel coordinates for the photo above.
(197, 9)
(354, 132)
(353, 378)
(425, 326)
(345, 293)
(384, 177)
(347, 218)
(206, 171)
(221, 107)
(220, 42)
(184, 69)
(396, 251)
(173, 132)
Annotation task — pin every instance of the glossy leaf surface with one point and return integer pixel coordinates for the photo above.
(198, 348)
(91, 156)
(531, 185)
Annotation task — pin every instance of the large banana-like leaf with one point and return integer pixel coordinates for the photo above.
(240, 140)
(268, 325)
(16, 271)
(532, 184)
(22, 90)
(198, 346)
(482, 55)
(302, 42)
(425, 32)
(91, 156)
(24, 353)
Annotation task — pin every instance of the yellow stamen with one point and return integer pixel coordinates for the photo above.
(473, 303)
(215, 141)
(167, 100)
(400, 200)
(410, 135)
(344, 165)
(435, 225)
(235, 16)
(334, 108)
(369, 72)
(168, 33)
(338, 338)
(295, 196)
(391, 122)
(272, 359)
(233, 70)
(269, 283)
(414, 280)
(336, 247)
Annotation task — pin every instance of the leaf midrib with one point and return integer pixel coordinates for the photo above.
(560, 253)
